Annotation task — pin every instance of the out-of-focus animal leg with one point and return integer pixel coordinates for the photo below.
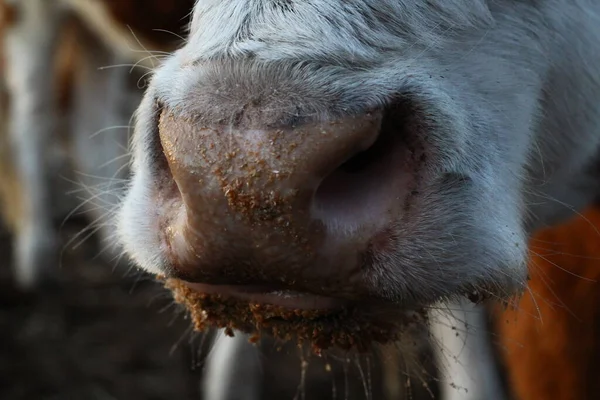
(30, 41)
(468, 369)
(233, 369)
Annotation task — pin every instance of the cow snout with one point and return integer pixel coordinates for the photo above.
(281, 206)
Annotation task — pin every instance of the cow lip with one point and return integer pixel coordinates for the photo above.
(290, 299)
(283, 314)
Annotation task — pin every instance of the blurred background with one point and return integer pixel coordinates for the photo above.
(78, 322)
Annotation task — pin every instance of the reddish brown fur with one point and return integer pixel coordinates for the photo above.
(8, 182)
(557, 356)
(8, 15)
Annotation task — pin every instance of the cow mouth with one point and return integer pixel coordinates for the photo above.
(321, 322)
(272, 296)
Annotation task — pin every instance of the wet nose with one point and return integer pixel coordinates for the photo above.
(253, 196)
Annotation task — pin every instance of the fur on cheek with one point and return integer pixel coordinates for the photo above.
(346, 329)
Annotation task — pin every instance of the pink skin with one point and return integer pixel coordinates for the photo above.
(262, 295)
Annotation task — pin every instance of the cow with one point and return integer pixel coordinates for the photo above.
(340, 165)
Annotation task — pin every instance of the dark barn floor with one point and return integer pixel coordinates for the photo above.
(107, 334)
(100, 336)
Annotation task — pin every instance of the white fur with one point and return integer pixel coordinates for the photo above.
(133, 229)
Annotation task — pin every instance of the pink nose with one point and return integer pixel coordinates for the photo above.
(277, 204)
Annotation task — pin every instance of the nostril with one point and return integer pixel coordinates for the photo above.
(369, 158)
(368, 183)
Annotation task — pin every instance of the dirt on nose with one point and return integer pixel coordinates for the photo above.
(351, 328)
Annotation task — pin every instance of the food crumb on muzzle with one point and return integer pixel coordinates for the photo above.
(345, 329)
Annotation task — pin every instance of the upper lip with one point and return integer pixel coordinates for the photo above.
(272, 296)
